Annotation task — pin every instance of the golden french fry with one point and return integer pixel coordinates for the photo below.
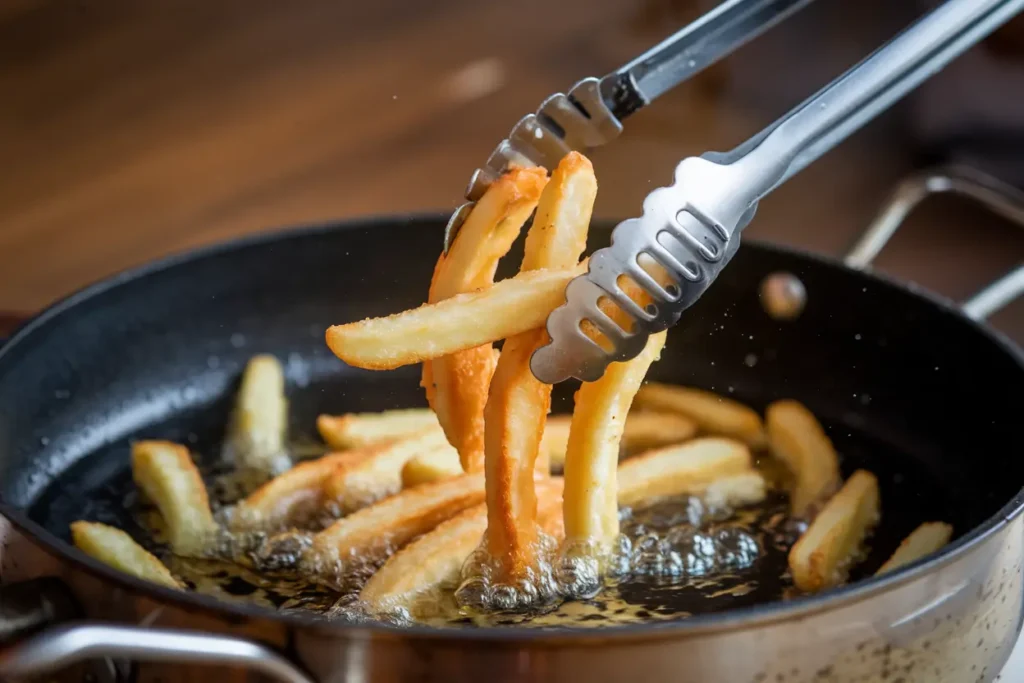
(823, 555)
(518, 403)
(456, 387)
(735, 491)
(924, 540)
(592, 454)
(377, 530)
(117, 549)
(488, 233)
(646, 430)
(462, 322)
(643, 431)
(437, 557)
(376, 472)
(256, 437)
(356, 430)
(166, 473)
(797, 438)
(714, 414)
(456, 384)
(430, 467)
(296, 493)
(429, 561)
(690, 468)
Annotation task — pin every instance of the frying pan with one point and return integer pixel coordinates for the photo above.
(906, 385)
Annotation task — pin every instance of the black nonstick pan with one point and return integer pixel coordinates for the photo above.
(906, 385)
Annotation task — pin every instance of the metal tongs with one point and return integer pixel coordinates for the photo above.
(691, 229)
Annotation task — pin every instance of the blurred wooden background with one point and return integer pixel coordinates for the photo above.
(129, 130)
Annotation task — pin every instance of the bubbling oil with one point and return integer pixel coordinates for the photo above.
(673, 559)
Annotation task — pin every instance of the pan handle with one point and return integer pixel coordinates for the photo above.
(69, 644)
(1000, 198)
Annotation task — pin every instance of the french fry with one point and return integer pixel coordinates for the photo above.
(430, 467)
(646, 430)
(298, 491)
(690, 468)
(456, 382)
(463, 322)
(437, 557)
(256, 437)
(376, 472)
(735, 491)
(518, 403)
(924, 540)
(797, 439)
(166, 473)
(117, 549)
(643, 431)
(375, 531)
(714, 414)
(823, 555)
(591, 505)
(357, 430)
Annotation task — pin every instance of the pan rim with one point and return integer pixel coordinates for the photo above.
(701, 625)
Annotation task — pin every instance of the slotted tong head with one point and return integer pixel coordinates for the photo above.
(691, 229)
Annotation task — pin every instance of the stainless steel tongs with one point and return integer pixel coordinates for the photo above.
(690, 230)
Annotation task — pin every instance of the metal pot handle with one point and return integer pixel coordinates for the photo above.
(1000, 198)
(69, 644)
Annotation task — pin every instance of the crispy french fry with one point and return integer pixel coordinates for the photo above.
(823, 555)
(431, 560)
(165, 471)
(690, 468)
(518, 403)
(462, 322)
(714, 414)
(115, 548)
(592, 454)
(437, 557)
(256, 437)
(430, 467)
(357, 430)
(797, 438)
(375, 531)
(456, 384)
(924, 540)
(643, 431)
(377, 471)
(298, 492)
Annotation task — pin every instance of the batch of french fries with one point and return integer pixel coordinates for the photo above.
(485, 472)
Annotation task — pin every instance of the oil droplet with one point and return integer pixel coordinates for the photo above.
(750, 361)
(238, 340)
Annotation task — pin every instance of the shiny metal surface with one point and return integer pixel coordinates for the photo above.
(1002, 199)
(73, 643)
(723, 30)
(714, 196)
(591, 113)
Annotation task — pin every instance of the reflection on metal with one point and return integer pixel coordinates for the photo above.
(1002, 199)
(66, 645)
